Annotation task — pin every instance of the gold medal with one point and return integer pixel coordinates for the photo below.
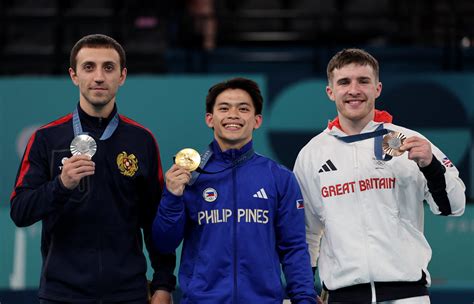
(188, 159)
(83, 145)
(392, 143)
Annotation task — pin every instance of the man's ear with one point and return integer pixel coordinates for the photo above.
(209, 120)
(123, 76)
(73, 76)
(330, 93)
(258, 121)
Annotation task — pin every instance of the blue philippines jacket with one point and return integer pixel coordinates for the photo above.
(239, 225)
(91, 241)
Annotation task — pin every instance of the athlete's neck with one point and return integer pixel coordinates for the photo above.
(102, 111)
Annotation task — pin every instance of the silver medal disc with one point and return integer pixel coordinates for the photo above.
(83, 145)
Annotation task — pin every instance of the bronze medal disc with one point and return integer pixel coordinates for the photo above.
(83, 144)
(392, 143)
(188, 159)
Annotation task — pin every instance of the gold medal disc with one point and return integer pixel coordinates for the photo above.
(392, 143)
(188, 159)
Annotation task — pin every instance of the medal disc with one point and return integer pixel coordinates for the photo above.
(392, 143)
(83, 145)
(188, 159)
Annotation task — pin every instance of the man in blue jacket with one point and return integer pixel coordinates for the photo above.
(94, 179)
(242, 219)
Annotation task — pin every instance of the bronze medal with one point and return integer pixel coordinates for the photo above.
(188, 159)
(392, 143)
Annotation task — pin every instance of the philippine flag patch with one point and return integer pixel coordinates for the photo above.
(300, 204)
(447, 163)
(209, 195)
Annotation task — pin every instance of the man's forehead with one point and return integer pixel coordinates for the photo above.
(98, 55)
(354, 69)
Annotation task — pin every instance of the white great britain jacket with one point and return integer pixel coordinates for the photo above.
(364, 217)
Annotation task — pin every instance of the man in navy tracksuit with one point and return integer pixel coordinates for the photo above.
(241, 219)
(93, 209)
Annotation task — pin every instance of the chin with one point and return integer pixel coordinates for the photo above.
(100, 103)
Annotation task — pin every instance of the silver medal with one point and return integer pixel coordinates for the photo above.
(83, 145)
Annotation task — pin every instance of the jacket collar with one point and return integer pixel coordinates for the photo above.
(91, 122)
(380, 117)
(231, 154)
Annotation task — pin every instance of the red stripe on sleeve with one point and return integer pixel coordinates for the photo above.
(25, 165)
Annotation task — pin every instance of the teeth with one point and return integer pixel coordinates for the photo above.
(232, 125)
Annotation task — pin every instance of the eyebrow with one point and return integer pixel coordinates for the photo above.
(240, 103)
(348, 78)
(95, 63)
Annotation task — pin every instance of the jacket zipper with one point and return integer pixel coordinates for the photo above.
(234, 196)
(364, 226)
(99, 251)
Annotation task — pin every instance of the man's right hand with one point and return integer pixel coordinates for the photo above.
(74, 169)
(176, 179)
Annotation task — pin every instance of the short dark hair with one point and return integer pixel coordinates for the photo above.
(249, 86)
(348, 56)
(97, 41)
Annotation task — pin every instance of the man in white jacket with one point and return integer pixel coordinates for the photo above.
(364, 181)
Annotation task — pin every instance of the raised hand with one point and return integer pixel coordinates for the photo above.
(176, 179)
(74, 169)
(419, 150)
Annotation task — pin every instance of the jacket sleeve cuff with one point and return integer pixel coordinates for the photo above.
(434, 170)
(436, 181)
(170, 201)
(167, 286)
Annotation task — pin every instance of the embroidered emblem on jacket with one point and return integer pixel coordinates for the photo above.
(447, 163)
(328, 166)
(127, 164)
(209, 195)
(379, 164)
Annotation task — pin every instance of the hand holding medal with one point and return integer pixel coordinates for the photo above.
(185, 161)
(419, 150)
(80, 165)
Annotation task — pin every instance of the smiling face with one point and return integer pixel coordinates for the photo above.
(354, 88)
(98, 76)
(233, 119)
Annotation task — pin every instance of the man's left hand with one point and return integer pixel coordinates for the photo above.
(419, 150)
(162, 297)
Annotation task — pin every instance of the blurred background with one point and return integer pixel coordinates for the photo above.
(177, 49)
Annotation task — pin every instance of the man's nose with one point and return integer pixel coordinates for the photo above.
(99, 75)
(354, 88)
(234, 112)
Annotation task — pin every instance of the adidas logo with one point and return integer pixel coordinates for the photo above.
(328, 166)
(261, 194)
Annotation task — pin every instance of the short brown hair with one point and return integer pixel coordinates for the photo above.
(97, 41)
(249, 86)
(348, 56)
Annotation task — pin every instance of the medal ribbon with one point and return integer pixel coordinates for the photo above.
(378, 138)
(109, 130)
(207, 155)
